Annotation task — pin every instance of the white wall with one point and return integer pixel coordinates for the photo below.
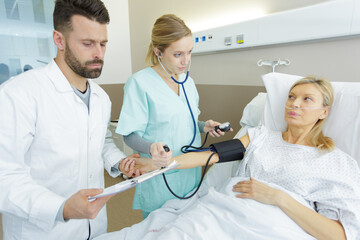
(326, 20)
(198, 15)
(335, 59)
(117, 67)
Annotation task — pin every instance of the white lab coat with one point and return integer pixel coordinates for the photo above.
(50, 147)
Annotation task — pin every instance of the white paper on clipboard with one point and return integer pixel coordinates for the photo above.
(122, 186)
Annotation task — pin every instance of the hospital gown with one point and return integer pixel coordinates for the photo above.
(156, 113)
(330, 181)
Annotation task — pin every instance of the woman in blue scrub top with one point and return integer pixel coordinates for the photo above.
(155, 113)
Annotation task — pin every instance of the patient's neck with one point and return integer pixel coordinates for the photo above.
(297, 136)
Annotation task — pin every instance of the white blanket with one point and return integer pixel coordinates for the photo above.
(217, 215)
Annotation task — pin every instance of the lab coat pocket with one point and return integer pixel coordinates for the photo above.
(30, 231)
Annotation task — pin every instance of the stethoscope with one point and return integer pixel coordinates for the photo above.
(185, 148)
(187, 100)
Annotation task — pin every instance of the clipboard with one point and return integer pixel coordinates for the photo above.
(125, 185)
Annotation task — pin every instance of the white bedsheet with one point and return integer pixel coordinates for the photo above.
(227, 217)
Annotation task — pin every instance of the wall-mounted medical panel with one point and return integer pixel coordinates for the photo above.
(355, 26)
(326, 20)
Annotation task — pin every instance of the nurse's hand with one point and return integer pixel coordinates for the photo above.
(160, 157)
(210, 127)
(79, 207)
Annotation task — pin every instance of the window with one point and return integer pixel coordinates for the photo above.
(39, 12)
(25, 36)
(12, 9)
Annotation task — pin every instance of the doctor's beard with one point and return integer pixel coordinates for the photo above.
(80, 68)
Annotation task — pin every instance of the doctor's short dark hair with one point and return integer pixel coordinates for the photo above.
(65, 9)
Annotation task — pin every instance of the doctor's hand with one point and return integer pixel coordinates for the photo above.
(160, 157)
(258, 191)
(127, 167)
(210, 127)
(79, 207)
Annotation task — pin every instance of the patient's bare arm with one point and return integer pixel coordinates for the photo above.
(188, 160)
(312, 222)
(145, 164)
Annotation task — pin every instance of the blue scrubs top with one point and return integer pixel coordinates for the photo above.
(155, 112)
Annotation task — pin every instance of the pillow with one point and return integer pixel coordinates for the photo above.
(254, 111)
(253, 114)
(343, 122)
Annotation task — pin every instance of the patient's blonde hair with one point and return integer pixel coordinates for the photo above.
(316, 135)
(167, 29)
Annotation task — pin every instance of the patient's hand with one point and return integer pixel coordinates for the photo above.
(145, 165)
(258, 191)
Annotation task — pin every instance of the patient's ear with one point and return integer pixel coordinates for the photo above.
(325, 113)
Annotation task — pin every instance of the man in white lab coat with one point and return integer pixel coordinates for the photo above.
(54, 142)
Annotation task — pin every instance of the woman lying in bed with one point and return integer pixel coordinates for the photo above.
(300, 160)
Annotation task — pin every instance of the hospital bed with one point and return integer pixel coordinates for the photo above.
(342, 125)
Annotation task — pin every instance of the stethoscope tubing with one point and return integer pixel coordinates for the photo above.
(185, 149)
(187, 100)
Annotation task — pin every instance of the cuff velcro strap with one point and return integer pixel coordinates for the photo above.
(230, 150)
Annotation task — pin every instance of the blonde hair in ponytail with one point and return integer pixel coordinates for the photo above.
(316, 135)
(167, 29)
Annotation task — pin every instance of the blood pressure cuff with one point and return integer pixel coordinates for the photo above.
(230, 150)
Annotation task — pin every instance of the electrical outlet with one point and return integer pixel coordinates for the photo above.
(240, 39)
(228, 41)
